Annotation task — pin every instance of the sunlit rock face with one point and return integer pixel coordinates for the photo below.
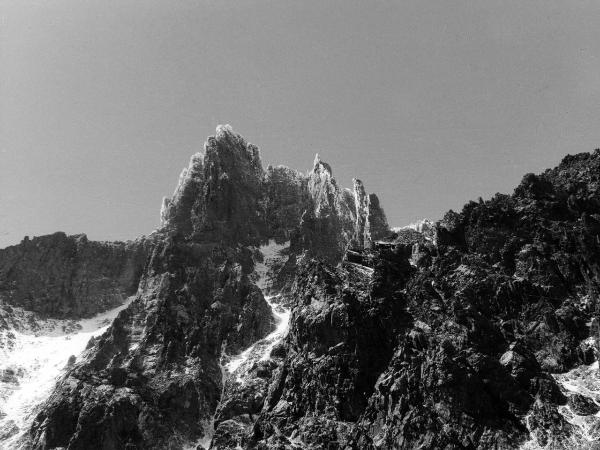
(371, 223)
(226, 196)
(217, 195)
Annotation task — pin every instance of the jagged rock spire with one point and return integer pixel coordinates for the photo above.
(362, 236)
(224, 194)
(217, 195)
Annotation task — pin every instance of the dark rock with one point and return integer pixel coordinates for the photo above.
(521, 363)
(583, 406)
(69, 276)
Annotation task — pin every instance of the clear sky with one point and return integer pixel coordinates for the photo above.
(430, 103)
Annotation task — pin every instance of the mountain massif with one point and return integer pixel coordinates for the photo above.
(274, 309)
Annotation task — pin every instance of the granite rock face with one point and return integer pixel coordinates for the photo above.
(276, 310)
(69, 276)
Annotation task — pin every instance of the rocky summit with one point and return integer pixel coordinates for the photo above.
(274, 309)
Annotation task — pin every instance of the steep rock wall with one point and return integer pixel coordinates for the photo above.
(69, 276)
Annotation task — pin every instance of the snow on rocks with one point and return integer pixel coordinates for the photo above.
(239, 378)
(582, 389)
(261, 350)
(34, 353)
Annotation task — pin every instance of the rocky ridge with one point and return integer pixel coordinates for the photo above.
(154, 379)
(276, 310)
(62, 276)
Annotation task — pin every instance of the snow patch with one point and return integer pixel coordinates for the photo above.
(583, 380)
(419, 225)
(261, 350)
(33, 355)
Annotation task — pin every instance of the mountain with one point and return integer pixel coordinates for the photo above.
(274, 309)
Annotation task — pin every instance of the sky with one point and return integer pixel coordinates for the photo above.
(429, 103)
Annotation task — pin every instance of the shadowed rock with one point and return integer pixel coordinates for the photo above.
(69, 276)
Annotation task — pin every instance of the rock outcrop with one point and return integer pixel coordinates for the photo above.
(64, 276)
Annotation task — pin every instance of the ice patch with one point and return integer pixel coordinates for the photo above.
(236, 361)
(282, 316)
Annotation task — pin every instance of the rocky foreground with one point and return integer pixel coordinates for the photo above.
(276, 310)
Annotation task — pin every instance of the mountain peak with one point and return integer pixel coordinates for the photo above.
(224, 131)
(320, 166)
(223, 194)
(263, 286)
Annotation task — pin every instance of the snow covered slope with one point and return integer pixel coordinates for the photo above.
(33, 354)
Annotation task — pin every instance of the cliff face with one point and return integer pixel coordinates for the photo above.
(276, 311)
(69, 276)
